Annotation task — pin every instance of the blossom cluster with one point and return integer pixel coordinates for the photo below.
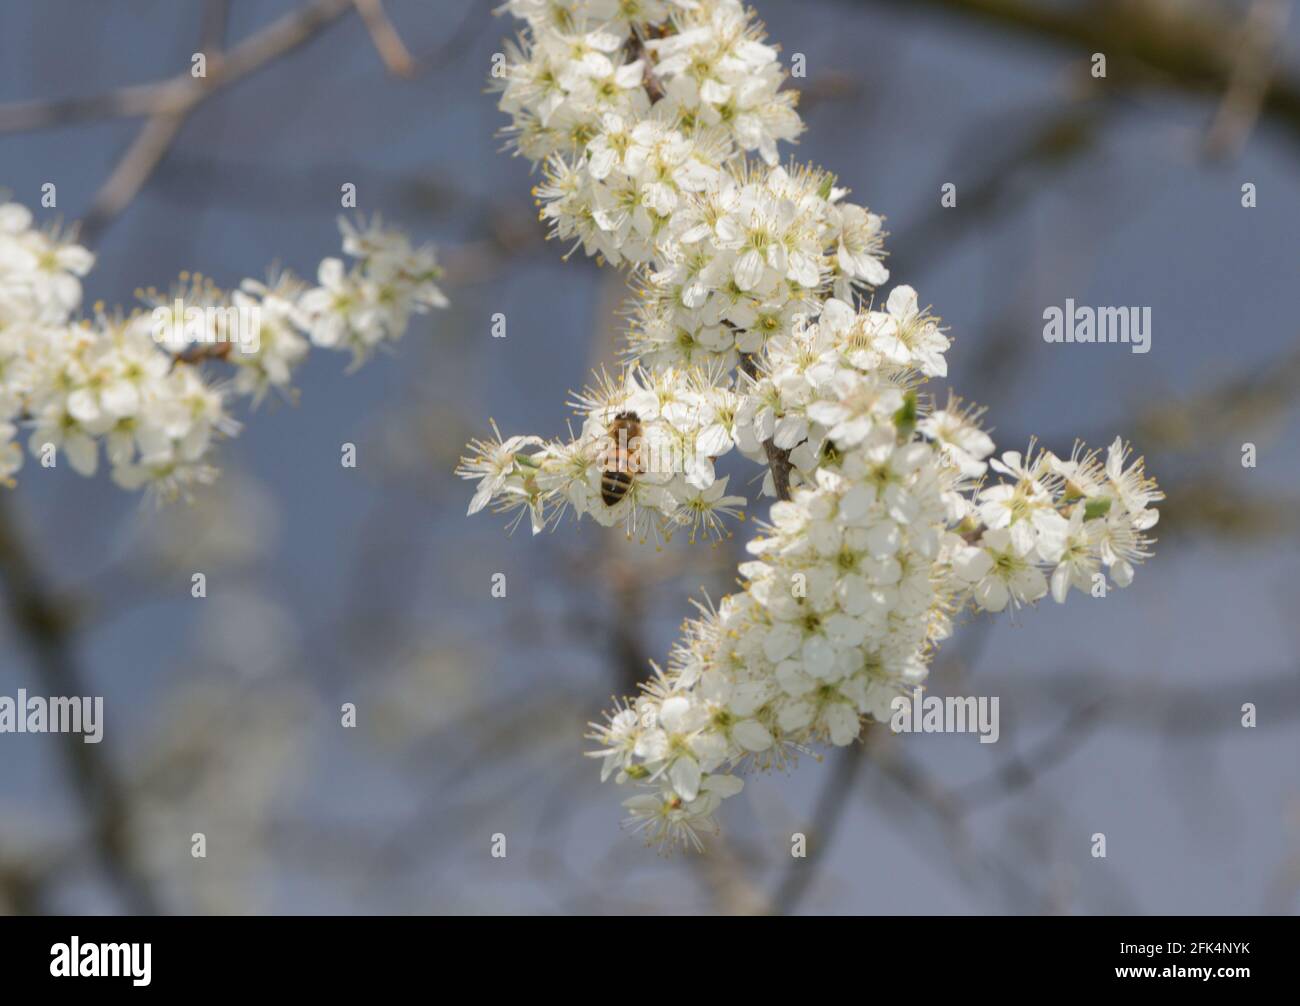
(642, 130)
(136, 382)
(890, 532)
(756, 327)
(686, 422)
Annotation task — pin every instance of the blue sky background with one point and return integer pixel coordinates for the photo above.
(329, 585)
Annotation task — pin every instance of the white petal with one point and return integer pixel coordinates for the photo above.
(685, 777)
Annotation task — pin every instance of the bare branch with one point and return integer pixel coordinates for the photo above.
(1179, 46)
(1243, 100)
(42, 620)
(132, 171)
(388, 43)
(182, 93)
(832, 801)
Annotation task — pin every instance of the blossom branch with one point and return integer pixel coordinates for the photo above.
(131, 382)
(884, 526)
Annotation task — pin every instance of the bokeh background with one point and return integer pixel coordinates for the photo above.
(329, 585)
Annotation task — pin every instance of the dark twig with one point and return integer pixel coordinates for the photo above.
(778, 459)
(637, 50)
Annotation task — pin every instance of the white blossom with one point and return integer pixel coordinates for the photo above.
(755, 327)
(145, 386)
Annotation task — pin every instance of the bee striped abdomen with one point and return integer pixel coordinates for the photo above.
(621, 459)
(614, 486)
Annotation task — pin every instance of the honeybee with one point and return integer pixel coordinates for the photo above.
(621, 459)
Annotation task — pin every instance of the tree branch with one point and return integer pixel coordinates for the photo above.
(41, 619)
(388, 43)
(832, 801)
(778, 459)
(182, 93)
(1143, 44)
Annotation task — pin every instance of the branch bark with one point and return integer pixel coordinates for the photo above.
(778, 459)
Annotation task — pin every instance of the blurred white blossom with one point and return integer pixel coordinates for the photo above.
(135, 384)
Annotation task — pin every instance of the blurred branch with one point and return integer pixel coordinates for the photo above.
(1237, 405)
(214, 23)
(182, 93)
(160, 131)
(834, 797)
(832, 801)
(906, 774)
(1174, 45)
(1018, 772)
(1213, 424)
(1252, 68)
(1051, 144)
(169, 103)
(388, 43)
(1207, 502)
(132, 171)
(1177, 708)
(40, 618)
(730, 888)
